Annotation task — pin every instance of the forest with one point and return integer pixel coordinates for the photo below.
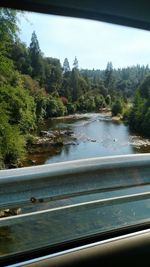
(34, 87)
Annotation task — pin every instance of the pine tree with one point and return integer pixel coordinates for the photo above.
(36, 58)
(75, 84)
(66, 66)
(75, 63)
(108, 75)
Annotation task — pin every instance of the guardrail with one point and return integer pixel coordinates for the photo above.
(66, 179)
(72, 200)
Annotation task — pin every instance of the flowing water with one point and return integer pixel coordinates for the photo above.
(93, 135)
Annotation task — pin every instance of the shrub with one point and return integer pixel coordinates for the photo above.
(117, 108)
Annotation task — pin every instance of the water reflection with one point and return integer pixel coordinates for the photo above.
(95, 135)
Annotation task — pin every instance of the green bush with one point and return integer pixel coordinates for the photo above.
(20, 106)
(71, 108)
(117, 108)
(12, 145)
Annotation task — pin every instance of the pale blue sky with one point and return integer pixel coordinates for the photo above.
(93, 43)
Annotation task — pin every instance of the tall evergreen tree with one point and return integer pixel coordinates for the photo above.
(108, 75)
(36, 59)
(75, 84)
(66, 66)
(75, 63)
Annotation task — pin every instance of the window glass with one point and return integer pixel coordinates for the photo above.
(71, 89)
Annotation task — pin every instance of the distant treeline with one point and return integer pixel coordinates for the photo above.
(34, 87)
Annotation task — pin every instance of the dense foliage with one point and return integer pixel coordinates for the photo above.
(139, 118)
(34, 87)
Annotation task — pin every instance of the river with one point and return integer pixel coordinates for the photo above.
(93, 135)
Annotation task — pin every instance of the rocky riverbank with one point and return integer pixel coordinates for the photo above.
(54, 138)
(138, 141)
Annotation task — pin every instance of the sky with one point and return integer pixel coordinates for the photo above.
(94, 43)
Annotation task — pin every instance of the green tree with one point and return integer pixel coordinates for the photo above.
(71, 108)
(75, 84)
(144, 88)
(55, 107)
(108, 100)
(109, 75)
(8, 29)
(66, 66)
(100, 102)
(75, 63)
(21, 57)
(146, 123)
(53, 75)
(36, 59)
(8, 33)
(12, 143)
(117, 108)
(139, 116)
(20, 106)
(66, 87)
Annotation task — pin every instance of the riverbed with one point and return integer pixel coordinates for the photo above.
(92, 135)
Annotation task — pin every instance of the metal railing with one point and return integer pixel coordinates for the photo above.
(97, 195)
(66, 179)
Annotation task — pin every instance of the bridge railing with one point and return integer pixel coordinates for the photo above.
(66, 179)
(67, 201)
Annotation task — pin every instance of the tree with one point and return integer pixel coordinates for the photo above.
(75, 84)
(41, 105)
(20, 107)
(8, 29)
(86, 103)
(71, 108)
(108, 100)
(117, 108)
(75, 63)
(36, 59)
(53, 75)
(140, 112)
(21, 58)
(66, 87)
(8, 33)
(34, 46)
(12, 143)
(109, 75)
(66, 66)
(146, 123)
(55, 107)
(144, 89)
(100, 102)
(136, 114)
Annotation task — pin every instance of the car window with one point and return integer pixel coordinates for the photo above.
(74, 129)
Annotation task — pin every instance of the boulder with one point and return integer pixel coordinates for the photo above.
(47, 134)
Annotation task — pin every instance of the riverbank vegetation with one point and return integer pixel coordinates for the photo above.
(34, 87)
(139, 117)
